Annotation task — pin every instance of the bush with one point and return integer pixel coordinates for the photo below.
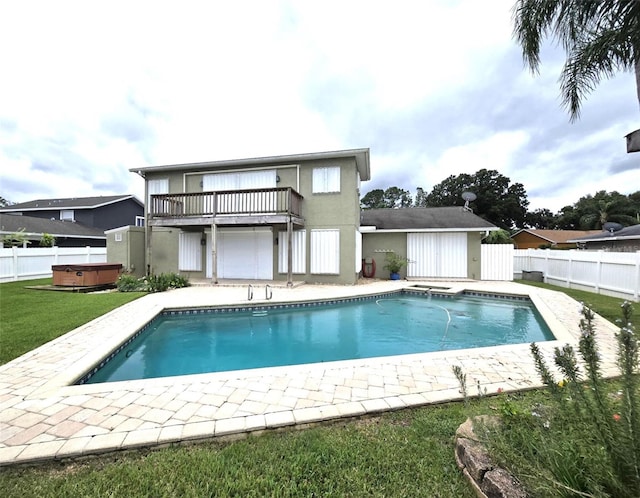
(151, 283)
(585, 439)
(130, 283)
(166, 281)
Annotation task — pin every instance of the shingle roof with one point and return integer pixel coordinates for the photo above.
(11, 223)
(424, 218)
(557, 236)
(68, 203)
(361, 157)
(632, 232)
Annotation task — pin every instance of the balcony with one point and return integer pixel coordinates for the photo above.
(233, 207)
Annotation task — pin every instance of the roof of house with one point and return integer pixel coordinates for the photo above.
(68, 203)
(424, 219)
(11, 223)
(556, 236)
(360, 155)
(626, 233)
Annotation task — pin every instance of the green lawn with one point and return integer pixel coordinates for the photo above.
(30, 318)
(404, 453)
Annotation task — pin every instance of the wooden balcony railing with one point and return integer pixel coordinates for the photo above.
(268, 201)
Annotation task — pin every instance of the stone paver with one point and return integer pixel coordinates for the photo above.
(43, 417)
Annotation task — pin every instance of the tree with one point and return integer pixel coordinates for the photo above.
(397, 198)
(600, 38)
(4, 202)
(373, 199)
(498, 237)
(498, 201)
(421, 198)
(393, 197)
(596, 210)
(541, 218)
(593, 211)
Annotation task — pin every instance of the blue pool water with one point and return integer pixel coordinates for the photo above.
(263, 337)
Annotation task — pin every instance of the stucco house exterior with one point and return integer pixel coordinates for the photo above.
(439, 242)
(282, 218)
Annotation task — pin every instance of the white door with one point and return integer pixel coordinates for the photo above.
(441, 255)
(244, 253)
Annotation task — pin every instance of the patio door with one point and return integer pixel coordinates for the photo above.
(441, 255)
(243, 253)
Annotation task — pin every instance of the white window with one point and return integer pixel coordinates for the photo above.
(67, 215)
(118, 237)
(325, 251)
(139, 221)
(298, 251)
(189, 251)
(247, 203)
(326, 180)
(242, 180)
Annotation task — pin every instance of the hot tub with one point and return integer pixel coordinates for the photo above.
(86, 275)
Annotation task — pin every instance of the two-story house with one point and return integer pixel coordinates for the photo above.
(290, 217)
(74, 221)
(104, 212)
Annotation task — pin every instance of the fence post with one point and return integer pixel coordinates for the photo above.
(598, 272)
(636, 289)
(569, 268)
(14, 250)
(88, 256)
(55, 255)
(546, 265)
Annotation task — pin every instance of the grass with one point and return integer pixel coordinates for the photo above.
(404, 453)
(30, 318)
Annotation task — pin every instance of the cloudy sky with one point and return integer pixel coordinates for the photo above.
(433, 87)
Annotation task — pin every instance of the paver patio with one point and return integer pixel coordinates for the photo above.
(43, 417)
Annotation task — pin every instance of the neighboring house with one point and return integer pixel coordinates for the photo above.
(626, 239)
(66, 234)
(104, 212)
(271, 218)
(530, 238)
(439, 242)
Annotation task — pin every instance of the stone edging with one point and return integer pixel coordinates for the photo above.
(472, 458)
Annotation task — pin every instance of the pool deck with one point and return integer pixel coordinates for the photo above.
(43, 418)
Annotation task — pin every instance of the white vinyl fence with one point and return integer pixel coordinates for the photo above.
(610, 273)
(19, 263)
(496, 262)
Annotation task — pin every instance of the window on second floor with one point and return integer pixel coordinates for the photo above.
(67, 215)
(160, 186)
(326, 180)
(139, 221)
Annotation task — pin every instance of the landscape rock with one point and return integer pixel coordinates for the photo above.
(498, 483)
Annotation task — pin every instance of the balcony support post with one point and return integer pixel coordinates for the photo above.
(149, 238)
(214, 253)
(289, 252)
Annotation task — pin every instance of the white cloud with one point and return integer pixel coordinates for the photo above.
(434, 88)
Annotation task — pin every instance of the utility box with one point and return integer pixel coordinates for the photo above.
(633, 141)
(533, 276)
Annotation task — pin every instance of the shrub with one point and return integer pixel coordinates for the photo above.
(130, 283)
(608, 425)
(151, 283)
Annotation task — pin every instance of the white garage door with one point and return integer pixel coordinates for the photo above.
(442, 255)
(244, 254)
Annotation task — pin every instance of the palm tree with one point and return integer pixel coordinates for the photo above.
(600, 38)
(605, 211)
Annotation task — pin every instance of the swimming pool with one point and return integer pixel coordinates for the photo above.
(225, 339)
